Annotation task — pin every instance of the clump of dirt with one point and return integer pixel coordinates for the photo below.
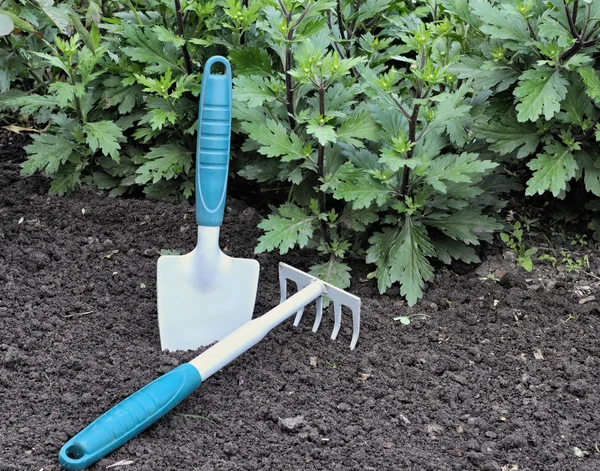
(498, 376)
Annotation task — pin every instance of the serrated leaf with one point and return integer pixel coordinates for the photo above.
(541, 91)
(168, 36)
(276, 141)
(358, 220)
(334, 271)
(47, 152)
(358, 127)
(65, 181)
(591, 171)
(164, 163)
(552, 169)
(507, 135)
(251, 61)
(467, 225)
(323, 132)
(29, 104)
(104, 135)
(395, 161)
(408, 261)
(253, 90)
(501, 23)
(592, 81)
(448, 249)
(148, 49)
(289, 227)
(362, 192)
(485, 74)
(457, 169)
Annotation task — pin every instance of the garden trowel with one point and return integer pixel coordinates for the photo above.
(205, 295)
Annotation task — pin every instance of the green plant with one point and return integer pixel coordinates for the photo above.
(406, 320)
(574, 265)
(536, 62)
(373, 155)
(514, 241)
(117, 108)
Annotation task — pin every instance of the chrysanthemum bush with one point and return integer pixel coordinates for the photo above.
(386, 125)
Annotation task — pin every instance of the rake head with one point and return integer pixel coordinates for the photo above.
(338, 296)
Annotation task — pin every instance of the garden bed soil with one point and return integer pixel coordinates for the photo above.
(500, 376)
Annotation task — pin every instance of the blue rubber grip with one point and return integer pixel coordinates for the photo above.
(212, 150)
(128, 418)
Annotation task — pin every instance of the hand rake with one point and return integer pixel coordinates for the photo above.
(144, 407)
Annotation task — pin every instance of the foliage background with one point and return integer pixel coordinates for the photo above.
(384, 130)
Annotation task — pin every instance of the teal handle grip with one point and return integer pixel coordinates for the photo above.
(128, 418)
(212, 149)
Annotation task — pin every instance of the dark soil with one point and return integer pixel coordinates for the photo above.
(501, 376)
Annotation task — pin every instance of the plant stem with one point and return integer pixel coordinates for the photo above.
(186, 54)
(412, 131)
(321, 170)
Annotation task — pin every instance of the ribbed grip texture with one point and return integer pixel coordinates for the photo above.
(128, 418)
(212, 152)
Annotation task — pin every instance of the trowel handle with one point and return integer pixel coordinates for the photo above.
(129, 417)
(214, 136)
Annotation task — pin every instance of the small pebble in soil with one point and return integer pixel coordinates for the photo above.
(291, 423)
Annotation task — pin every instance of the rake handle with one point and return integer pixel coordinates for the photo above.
(129, 417)
(213, 146)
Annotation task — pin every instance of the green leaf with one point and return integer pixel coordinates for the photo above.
(104, 135)
(551, 170)
(456, 168)
(251, 61)
(335, 272)
(358, 127)
(164, 163)
(448, 249)
(467, 225)
(275, 141)
(290, 226)
(485, 74)
(591, 171)
(362, 192)
(401, 256)
(65, 181)
(453, 115)
(254, 90)
(323, 132)
(148, 49)
(541, 90)
(502, 23)
(168, 36)
(53, 61)
(17, 23)
(29, 104)
(47, 152)
(592, 81)
(507, 135)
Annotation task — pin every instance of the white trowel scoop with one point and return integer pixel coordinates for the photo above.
(205, 295)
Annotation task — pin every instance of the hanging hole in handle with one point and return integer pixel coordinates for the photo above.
(74, 452)
(218, 68)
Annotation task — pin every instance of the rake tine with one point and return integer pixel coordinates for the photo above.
(338, 296)
(355, 328)
(298, 317)
(319, 311)
(282, 287)
(337, 313)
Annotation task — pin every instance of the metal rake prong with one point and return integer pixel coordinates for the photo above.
(319, 313)
(337, 315)
(338, 296)
(298, 317)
